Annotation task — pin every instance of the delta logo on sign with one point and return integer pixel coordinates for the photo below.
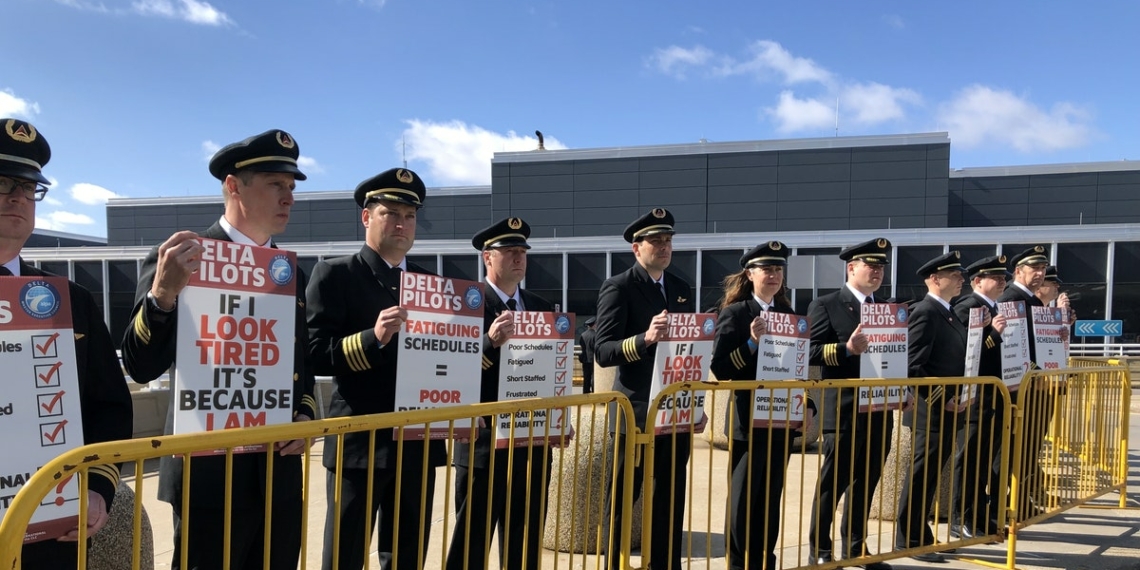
(1099, 328)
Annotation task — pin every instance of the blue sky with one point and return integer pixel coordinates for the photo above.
(135, 95)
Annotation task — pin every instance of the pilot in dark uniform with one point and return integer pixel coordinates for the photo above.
(104, 400)
(975, 481)
(632, 318)
(855, 444)
(936, 348)
(514, 511)
(759, 454)
(588, 339)
(258, 175)
(354, 317)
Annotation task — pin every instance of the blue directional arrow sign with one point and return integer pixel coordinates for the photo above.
(1099, 328)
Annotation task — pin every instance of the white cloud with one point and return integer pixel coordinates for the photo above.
(192, 11)
(769, 57)
(13, 106)
(674, 60)
(309, 165)
(50, 201)
(91, 194)
(60, 221)
(209, 149)
(873, 103)
(372, 3)
(793, 115)
(85, 5)
(458, 154)
(980, 115)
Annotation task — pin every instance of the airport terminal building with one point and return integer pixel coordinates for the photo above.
(815, 195)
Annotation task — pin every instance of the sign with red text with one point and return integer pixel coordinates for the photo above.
(441, 350)
(886, 355)
(684, 356)
(236, 323)
(975, 343)
(39, 406)
(1052, 347)
(782, 354)
(537, 362)
(1014, 343)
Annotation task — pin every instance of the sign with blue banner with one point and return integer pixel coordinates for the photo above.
(1100, 328)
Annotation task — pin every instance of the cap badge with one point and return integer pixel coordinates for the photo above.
(1038, 249)
(957, 254)
(514, 223)
(1001, 259)
(774, 245)
(23, 133)
(404, 176)
(658, 212)
(285, 140)
(882, 243)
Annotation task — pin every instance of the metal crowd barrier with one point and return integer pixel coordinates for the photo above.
(1060, 442)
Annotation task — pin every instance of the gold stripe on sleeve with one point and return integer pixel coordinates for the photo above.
(141, 329)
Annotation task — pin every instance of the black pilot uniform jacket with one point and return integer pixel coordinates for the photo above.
(936, 349)
(627, 302)
(149, 347)
(345, 297)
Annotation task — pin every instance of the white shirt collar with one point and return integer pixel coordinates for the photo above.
(988, 300)
(945, 304)
(237, 237)
(1023, 288)
(13, 265)
(403, 265)
(504, 297)
(763, 306)
(858, 294)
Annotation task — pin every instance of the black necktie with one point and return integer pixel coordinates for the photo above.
(512, 304)
(661, 286)
(5, 272)
(870, 299)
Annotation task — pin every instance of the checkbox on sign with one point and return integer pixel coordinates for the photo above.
(799, 357)
(50, 404)
(560, 362)
(560, 377)
(47, 375)
(44, 346)
(560, 390)
(801, 345)
(53, 434)
(799, 369)
(562, 346)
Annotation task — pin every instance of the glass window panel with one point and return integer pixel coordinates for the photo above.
(585, 273)
(306, 264)
(462, 266)
(55, 267)
(910, 287)
(1082, 262)
(972, 253)
(426, 261)
(715, 266)
(123, 276)
(89, 275)
(621, 261)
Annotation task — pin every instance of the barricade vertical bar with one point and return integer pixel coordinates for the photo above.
(136, 522)
(268, 524)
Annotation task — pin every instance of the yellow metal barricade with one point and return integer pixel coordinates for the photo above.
(570, 508)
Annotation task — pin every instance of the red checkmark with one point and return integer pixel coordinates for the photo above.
(559, 390)
(562, 346)
(560, 362)
(799, 357)
(799, 370)
(802, 345)
(560, 377)
(50, 406)
(51, 372)
(55, 432)
(47, 344)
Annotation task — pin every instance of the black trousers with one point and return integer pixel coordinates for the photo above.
(411, 530)
(974, 496)
(852, 465)
(1037, 405)
(588, 378)
(51, 555)
(933, 445)
(670, 473)
(512, 508)
(755, 504)
(205, 527)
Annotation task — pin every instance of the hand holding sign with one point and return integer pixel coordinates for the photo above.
(295, 447)
(178, 258)
(501, 329)
(858, 342)
(758, 328)
(97, 517)
(389, 322)
(658, 328)
(999, 323)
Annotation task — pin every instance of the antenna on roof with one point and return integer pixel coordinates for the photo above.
(540, 145)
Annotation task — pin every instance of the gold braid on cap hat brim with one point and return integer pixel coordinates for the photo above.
(1033, 260)
(21, 160)
(882, 257)
(244, 163)
(950, 266)
(758, 260)
(646, 230)
(374, 193)
(503, 237)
